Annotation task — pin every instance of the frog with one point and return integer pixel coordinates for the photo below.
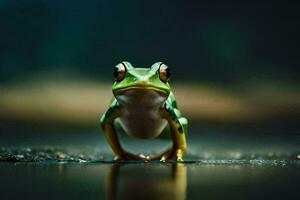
(143, 105)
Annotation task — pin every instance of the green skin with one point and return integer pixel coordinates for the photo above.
(143, 106)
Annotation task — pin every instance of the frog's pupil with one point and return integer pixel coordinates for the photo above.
(168, 73)
(116, 71)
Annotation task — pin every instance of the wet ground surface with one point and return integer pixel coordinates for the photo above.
(228, 162)
(148, 181)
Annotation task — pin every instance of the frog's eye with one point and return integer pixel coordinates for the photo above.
(119, 72)
(164, 72)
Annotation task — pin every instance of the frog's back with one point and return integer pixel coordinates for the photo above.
(140, 115)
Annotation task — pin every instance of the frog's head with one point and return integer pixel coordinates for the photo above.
(154, 78)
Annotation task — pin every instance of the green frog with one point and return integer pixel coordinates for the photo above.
(143, 106)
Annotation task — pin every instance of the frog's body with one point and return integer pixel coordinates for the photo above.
(140, 112)
(144, 105)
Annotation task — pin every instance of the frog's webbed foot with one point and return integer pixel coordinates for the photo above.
(170, 154)
(129, 156)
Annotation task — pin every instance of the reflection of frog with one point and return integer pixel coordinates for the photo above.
(144, 105)
(149, 182)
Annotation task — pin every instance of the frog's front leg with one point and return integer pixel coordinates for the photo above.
(178, 128)
(107, 124)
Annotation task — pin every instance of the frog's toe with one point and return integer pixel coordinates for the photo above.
(129, 156)
(179, 159)
(167, 156)
(163, 159)
(118, 158)
(138, 157)
(179, 155)
(143, 157)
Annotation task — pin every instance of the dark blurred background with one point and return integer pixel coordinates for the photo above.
(200, 40)
(234, 64)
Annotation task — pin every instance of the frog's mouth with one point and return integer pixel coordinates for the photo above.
(141, 96)
(142, 88)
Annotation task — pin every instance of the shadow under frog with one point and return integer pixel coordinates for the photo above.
(131, 181)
